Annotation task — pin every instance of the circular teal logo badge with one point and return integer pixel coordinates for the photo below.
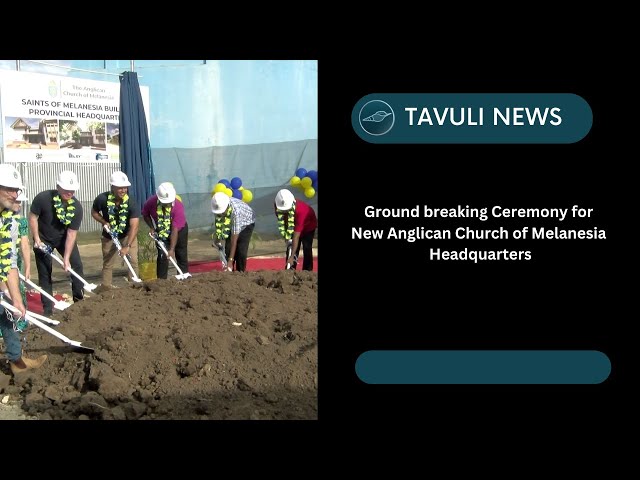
(376, 117)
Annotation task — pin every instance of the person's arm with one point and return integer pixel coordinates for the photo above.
(148, 219)
(25, 248)
(97, 216)
(173, 240)
(33, 226)
(146, 216)
(134, 223)
(13, 283)
(69, 243)
(178, 222)
(232, 250)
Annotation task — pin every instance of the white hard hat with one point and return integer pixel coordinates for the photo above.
(166, 193)
(284, 199)
(10, 177)
(219, 202)
(120, 179)
(67, 180)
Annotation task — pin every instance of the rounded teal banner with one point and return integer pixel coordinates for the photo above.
(483, 367)
(472, 118)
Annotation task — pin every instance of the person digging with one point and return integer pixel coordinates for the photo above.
(10, 188)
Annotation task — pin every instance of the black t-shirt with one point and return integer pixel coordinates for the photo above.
(50, 228)
(100, 206)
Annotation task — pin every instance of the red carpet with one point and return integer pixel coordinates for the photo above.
(273, 263)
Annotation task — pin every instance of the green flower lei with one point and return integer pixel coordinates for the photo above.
(117, 227)
(65, 214)
(223, 224)
(164, 221)
(288, 232)
(6, 245)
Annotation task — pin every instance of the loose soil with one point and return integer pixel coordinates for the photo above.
(218, 345)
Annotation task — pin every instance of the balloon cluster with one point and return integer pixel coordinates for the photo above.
(307, 181)
(233, 188)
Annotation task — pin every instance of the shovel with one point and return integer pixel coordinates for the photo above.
(287, 253)
(47, 249)
(118, 245)
(223, 257)
(43, 318)
(31, 319)
(160, 243)
(59, 304)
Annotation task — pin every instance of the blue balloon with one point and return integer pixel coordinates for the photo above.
(314, 184)
(237, 194)
(301, 172)
(225, 182)
(236, 183)
(313, 175)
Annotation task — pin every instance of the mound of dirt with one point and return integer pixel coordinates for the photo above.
(215, 346)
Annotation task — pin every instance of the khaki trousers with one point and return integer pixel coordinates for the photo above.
(110, 257)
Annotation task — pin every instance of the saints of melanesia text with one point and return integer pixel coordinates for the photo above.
(421, 232)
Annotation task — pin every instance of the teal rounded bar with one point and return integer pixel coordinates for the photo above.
(472, 118)
(483, 367)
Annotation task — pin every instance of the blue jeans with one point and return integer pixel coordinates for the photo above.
(11, 338)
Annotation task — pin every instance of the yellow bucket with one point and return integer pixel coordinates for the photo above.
(148, 271)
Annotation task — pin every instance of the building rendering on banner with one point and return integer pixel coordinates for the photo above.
(44, 135)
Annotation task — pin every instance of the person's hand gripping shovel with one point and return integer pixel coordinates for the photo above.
(90, 287)
(126, 258)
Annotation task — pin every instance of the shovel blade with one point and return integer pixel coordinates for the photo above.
(90, 287)
(61, 305)
(78, 347)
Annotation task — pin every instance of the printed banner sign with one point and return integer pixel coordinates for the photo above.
(49, 118)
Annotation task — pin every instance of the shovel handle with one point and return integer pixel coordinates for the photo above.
(72, 272)
(43, 318)
(134, 277)
(223, 257)
(160, 244)
(286, 255)
(33, 285)
(118, 245)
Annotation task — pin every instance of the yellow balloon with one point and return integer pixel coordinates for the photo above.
(247, 196)
(218, 188)
(241, 188)
(228, 191)
(295, 181)
(306, 182)
(309, 192)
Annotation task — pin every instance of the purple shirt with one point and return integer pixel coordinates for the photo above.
(178, 218)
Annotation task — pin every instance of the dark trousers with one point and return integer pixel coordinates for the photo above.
(242, 247)
(306, 241)
(44, 266)
(181, 254)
